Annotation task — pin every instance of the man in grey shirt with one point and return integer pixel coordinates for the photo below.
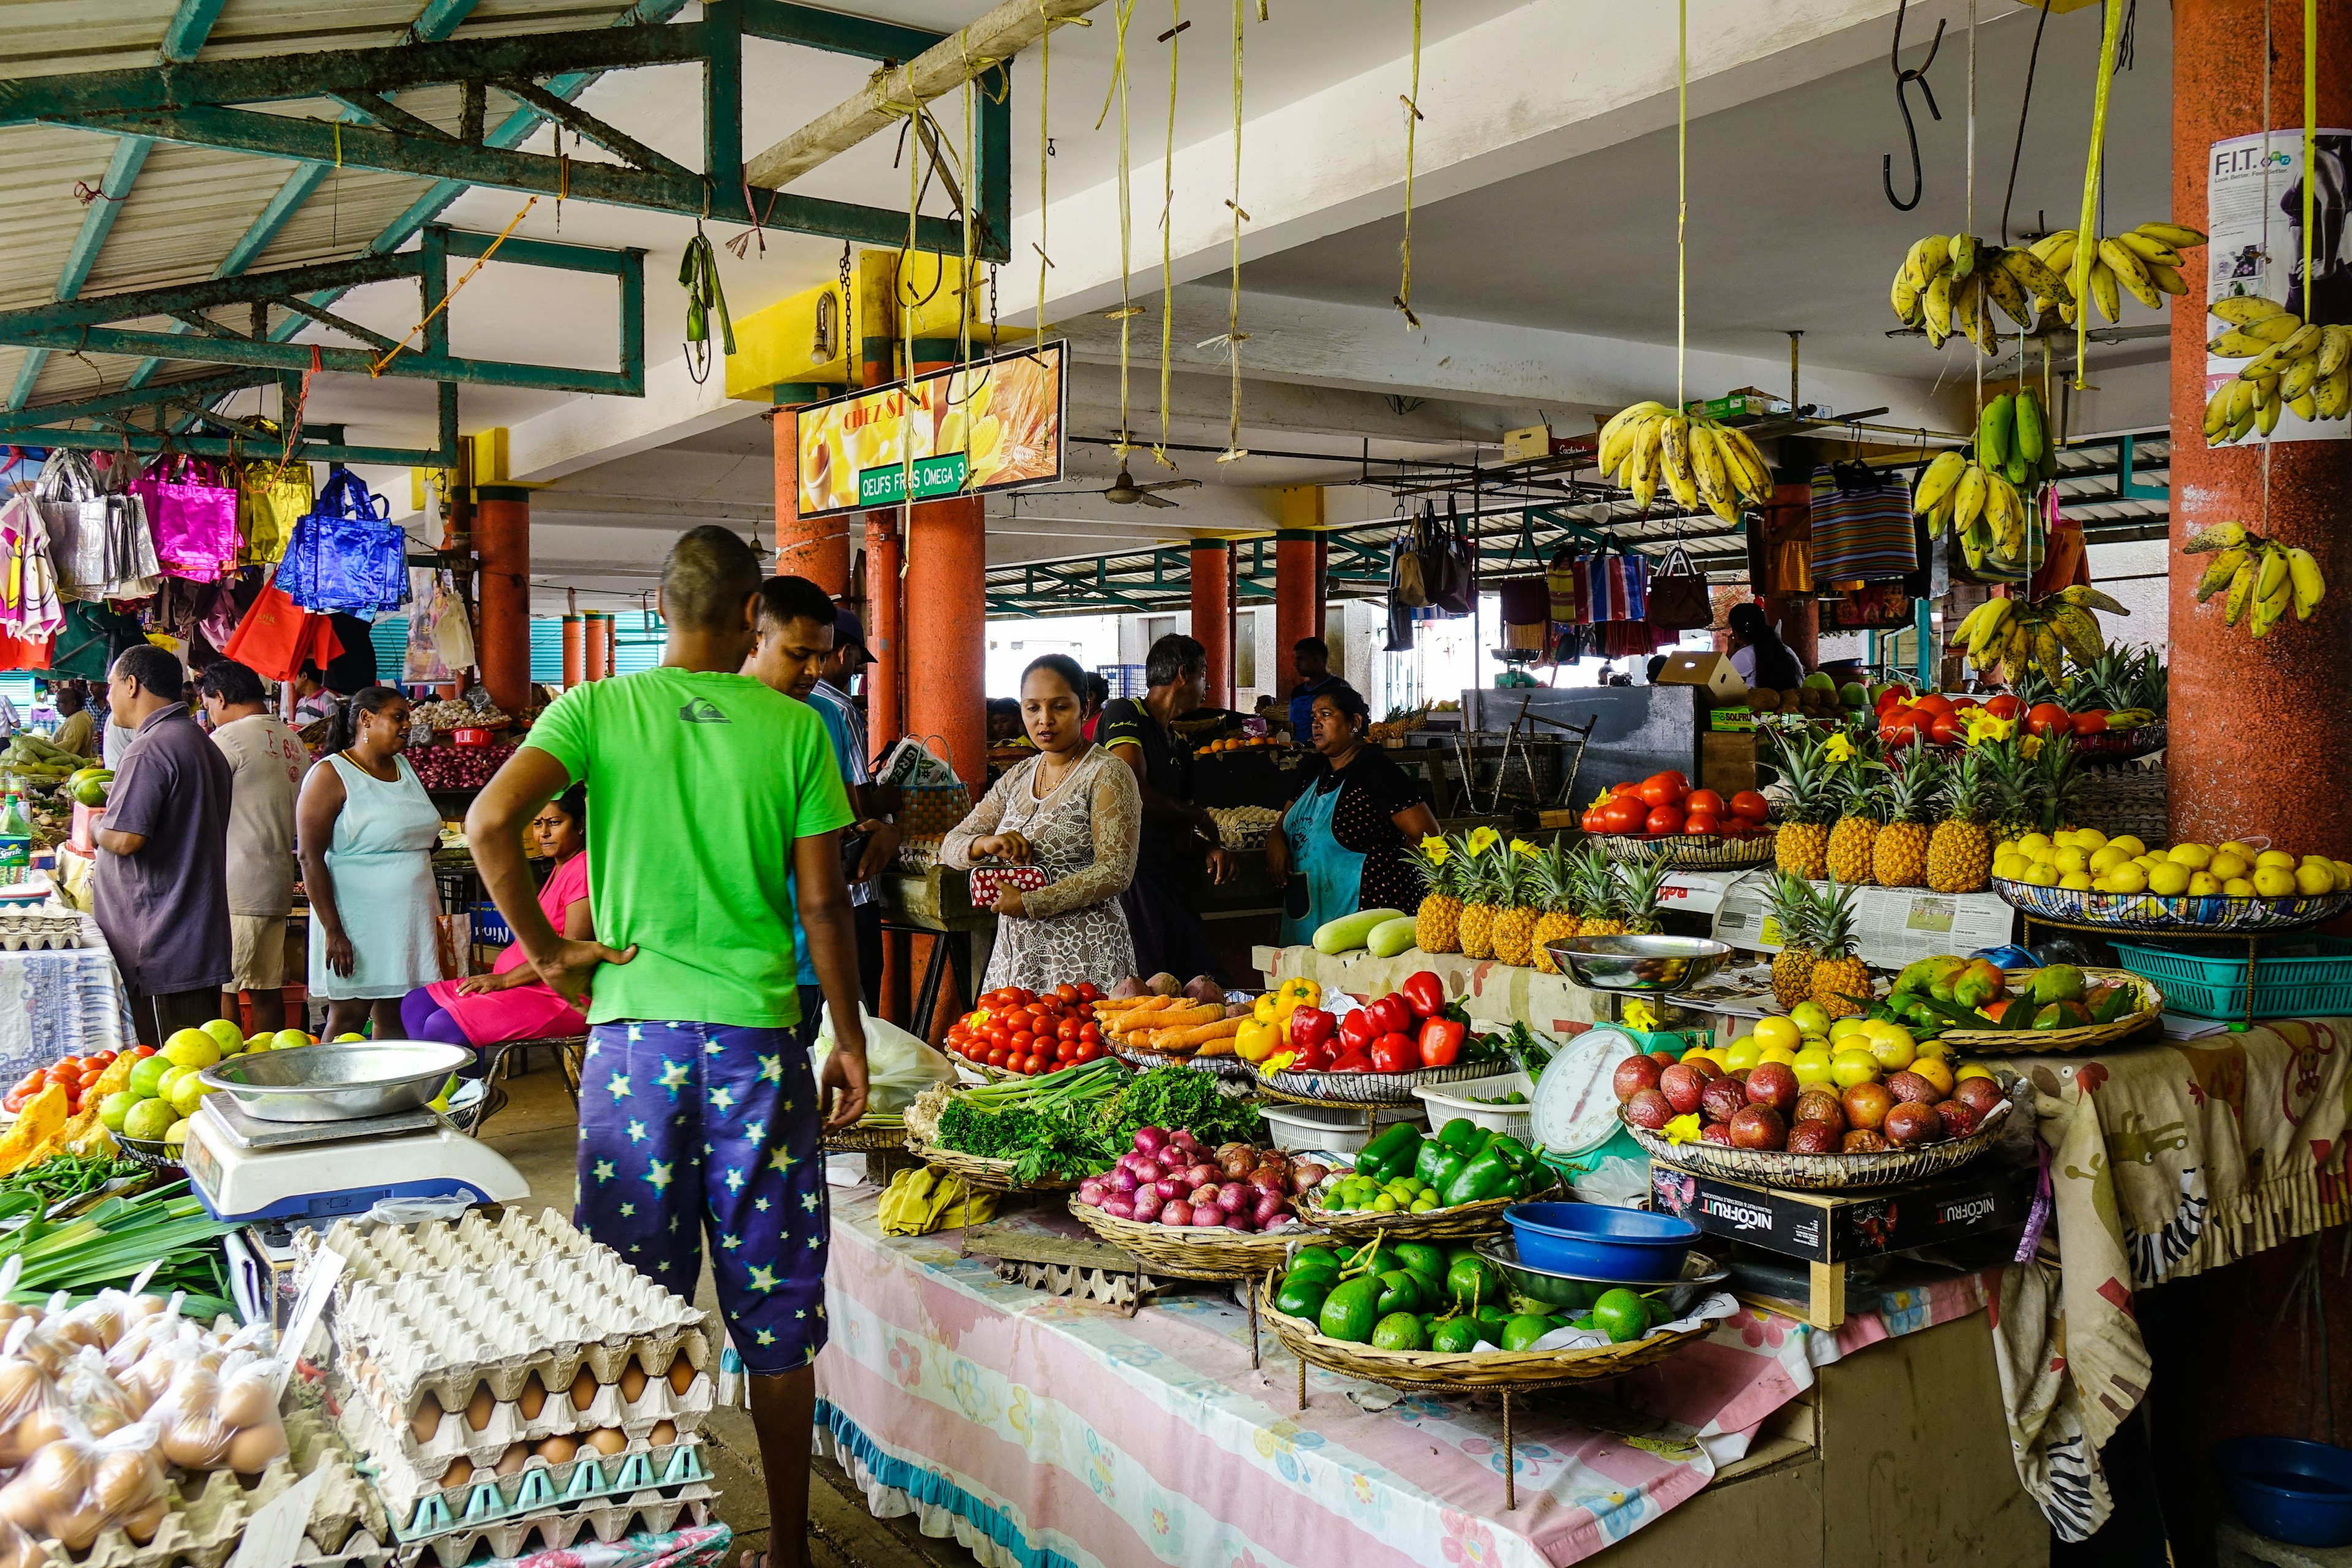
(162, 879)
(268, 761)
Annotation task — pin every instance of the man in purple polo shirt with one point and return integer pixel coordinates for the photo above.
(163, 852)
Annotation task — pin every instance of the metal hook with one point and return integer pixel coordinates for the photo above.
(1903, 79)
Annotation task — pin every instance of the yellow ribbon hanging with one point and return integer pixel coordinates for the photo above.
(1123, 13)
(1412, 118)
(1234, 333)
(1166, 207)
(2086, 247)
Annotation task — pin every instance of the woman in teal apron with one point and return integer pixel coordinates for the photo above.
(1343, 841)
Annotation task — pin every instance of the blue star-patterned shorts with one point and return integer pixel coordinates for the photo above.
(685, 1125)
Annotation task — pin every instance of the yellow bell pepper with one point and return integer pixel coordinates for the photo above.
(1301, 992)
(1263, 1009)
(1276, 1063)
(1256, 1039)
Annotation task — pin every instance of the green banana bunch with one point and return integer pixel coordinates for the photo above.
(2144, 263)
(2292, 367)
(2265, 579)
(1699, 460)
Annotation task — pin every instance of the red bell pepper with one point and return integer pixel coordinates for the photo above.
(1360, 1028)
(1392, 1014)
(1440, 1042)
(1311, 1028)
(1424, 993)
(1354, 1059)
(1394, 1053)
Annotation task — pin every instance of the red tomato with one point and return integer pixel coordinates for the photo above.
(1899, 726)
(1704, 800)
(996, 1056)
(1623, 814)
(2092, 722)
(1892, 696)
(1664, 789)
(1947, 730)
(1664, 819)
(1089, 1034)
(1960, 704)
(1066, 992)
(1067, 1029)
(1090, 1052)
(1022, 1039)
(1703, 822)
(2003, 706)
(2048, 719)
(36, 1080)
(1748, 803)
(1032, 1064)
(105, 1058)
(1089, 992)
(1935, 702)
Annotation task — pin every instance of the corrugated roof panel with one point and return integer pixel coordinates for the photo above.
(49, 37)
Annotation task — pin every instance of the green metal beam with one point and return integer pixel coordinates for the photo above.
(199, 393)
(217, 436)
(816, 30)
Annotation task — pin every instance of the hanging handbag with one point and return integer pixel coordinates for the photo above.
(1408, 576)
(193, 517)
(1454, 585)
(1676, 597)
(273, 638)
(114, 552)
(344, 554)
(65, 482)
(270, 499)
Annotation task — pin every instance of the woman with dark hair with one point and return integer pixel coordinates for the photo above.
(366, 829)
(1073, 813)
(1343, 841)
(1759, 654)
(511, 1002)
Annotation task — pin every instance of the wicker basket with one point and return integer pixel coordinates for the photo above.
(1470, 1369)
(921, 1139)
(2212, 915)
(1370, 1087)
(2033, 1042)
(1231, 1069)
(1191, 1252)
(859, 1139)
(1684, 853)
(1463, 1222)
(1820, 1172)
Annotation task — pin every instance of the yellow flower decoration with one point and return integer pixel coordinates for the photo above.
(1483, 839)
(2030, 746)
(1521, 847)
(1839, 748)
(1435, 849)
(1683, 1129)
(1983, 725)
(1638, 1016)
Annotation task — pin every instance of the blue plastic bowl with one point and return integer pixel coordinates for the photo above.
(1596, 1241)
(2289, 1489)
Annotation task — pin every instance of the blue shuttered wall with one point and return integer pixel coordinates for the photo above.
(637, 643)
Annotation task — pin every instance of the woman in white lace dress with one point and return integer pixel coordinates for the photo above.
(1072, 812)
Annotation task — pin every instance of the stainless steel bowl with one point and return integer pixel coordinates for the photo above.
(337, 1083)
(1655, 964)
(1574, 1292)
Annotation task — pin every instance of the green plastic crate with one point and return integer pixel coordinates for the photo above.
(2285, 987)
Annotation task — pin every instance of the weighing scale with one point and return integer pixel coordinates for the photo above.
(245, 1170)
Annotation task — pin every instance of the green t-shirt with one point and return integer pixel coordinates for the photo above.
(697, 784)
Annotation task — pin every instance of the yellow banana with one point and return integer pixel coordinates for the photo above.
(2048, 651)
(2334, 348)
(2296, 379)
(2243, 310)
(2148, 248)
(2304, 407)
(1708, 469)
(1928, 257)
(2130, 271)
(1971, 495)
(2217, 412)
(1750, 475)
(2178, 236)
(2274, 328)
(2241, 402)
(2104, 291)
(2267, 411)
(1623, 420)
(2310, 587)
(2242, 593)
(2333, 394)
(1675, 465)
(2239, 343)
(1906, 301)
(2009, 294)
(2079, 633)
(1987, 634)
(1937, 480)
(2274, 573)
(2035, 274)
(2219, 573)
(2217, 536)
(2055, 251)
(2082, 597)
(1963, 255)
(1938, 302)
(2168, 279)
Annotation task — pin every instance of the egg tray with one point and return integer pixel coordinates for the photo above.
(646, 1513)
(423, 1510)
(205, 1515)
(375, 1428)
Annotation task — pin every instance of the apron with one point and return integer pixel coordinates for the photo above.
(1334, 875)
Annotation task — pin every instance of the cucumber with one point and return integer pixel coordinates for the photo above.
(1348, 932)
(1391, 937)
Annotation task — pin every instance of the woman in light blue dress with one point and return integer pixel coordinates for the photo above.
(365, 831)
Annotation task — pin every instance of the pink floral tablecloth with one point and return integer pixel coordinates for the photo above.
(1049, 1434)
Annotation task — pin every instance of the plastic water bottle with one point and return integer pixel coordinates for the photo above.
(15, 841)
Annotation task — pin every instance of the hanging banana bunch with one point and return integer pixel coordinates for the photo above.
(2144, 263)
(2291, 363)
(2265, 580)
(1985, 495)
(1950, 283)
(2014, 634)
(1697, 459)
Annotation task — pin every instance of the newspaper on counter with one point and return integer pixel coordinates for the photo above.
(1893, 926)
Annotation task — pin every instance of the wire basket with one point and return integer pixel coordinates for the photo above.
(154, 1153)
(1685, 852)
(1234, 1075)
(1820, 1172)
(1370, 1087)
(1999, 1042)
(1191, 1252)
(2212, 915)
(2122, 745)
(1463, 1222)
(2313, 985)
(1470, 1369)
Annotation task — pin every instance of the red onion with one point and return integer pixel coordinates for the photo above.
(1233, 1196)
(1182, 1139)
(1241, 1222)
(1176, 1211)
(1282, 1222)
(1268, 1206)
(1147, 1170)
(1090, 1192)
(1147, 1203)
(1206, 1193)
(1168, 1187)
(1118, 1208)
(1202, 1172)
(1148, 1140)
(1305, 1175)
(1273, 1182)
(1207, 1216)
(1124, 1183)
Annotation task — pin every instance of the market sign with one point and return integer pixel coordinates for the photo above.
(995, 423)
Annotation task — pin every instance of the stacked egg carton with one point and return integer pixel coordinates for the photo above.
(39, 930)
(205, 1515)
(514, 1380)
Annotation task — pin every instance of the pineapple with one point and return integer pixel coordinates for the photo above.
(1862, 805)
(1960, 854)
(1841, 981)
(1556, 878)
(1641, 885)
(1480, 902)
(1437, 924)
(1522, 904)
(1791, 902)
(2058, 782)
(1805, 806)
(1600, 898)
(2012, 787)
(1899, 857)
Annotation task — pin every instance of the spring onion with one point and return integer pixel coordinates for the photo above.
(112, 1242)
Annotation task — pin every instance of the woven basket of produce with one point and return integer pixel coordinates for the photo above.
(1995, 1041)
(978, 1171)
(1463, 1222)
(1368, 1088)
(1191, 1252)
(1470, 1368)
(1822, 1173)
(1692, 852)
(1229, 1067)
(869, 1135)
(2181, 914)
(150, 1152)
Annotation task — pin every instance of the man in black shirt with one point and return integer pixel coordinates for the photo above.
(1178, 835)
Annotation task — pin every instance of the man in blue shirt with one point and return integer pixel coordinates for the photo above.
(1311, 658)
(873, 802)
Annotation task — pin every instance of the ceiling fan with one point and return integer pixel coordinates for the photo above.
(1124, 492)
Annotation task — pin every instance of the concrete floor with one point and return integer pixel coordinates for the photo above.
(538, 1130)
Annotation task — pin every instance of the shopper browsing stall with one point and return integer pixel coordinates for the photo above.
(1178, 835)
(368, 829)
(268, 760)
(1073, 814)
(719, 813)
(162, 873)
(1311, 659)
(1759, 654)
(1343, 841)
(77, 725)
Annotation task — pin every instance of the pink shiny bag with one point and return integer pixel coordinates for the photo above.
(193, 517)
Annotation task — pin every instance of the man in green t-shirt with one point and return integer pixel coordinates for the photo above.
(715, 799)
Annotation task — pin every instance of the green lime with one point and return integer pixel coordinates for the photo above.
(147, 1075)
(1518, 1333)
(1622, 1315)
(114, 1108)
(148, 1119)
(1398, 1331)
(225, 1035)
(1455, 1335)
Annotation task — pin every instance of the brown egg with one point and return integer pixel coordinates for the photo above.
(511, 1460)
(681, 1375)
(606, 1440)
(251, 1450)
(583, 1389)
(246, 1402)
(532, 1398)
(663, 1435)
(460, 1471)
(427, 1419)
(124, 1484)
(633, 1382)
(557, 1450)
(142, 1526)
(478, 1408)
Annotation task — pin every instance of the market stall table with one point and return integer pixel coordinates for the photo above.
(1045, 1432)
(61, 1001)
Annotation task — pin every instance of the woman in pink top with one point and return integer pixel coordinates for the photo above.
(511, 1003)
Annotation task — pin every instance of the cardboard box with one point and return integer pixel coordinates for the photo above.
(1534, 441)
(1692, 667)
(1837, 1227)
(1737, 406)
(1726, 763)
(1731, 721)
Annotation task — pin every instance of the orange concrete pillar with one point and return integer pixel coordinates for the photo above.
(817, 548)
(2289, 688)
(597, 656)
(947, 694)
(1298, 546)
(1213, 615)
(575, 651)
(502, 538)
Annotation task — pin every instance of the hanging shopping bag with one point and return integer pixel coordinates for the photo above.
(273, 638)
(66, 481)
(1453, 584)
(193, 517)
(271, 498)
(1862, 524)
(1677, 598)
(29, 607)
(1408, 573)
(421, 661)
(344, 554)
(453, 629)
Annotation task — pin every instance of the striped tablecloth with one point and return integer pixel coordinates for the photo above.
(1047, 1433)
(60, 1003)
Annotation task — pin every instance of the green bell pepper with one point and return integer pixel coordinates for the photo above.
(1350, 1310)
(1426, 1162)
(1389, 1152)
(1445, 1167)
(1488, 1176)
(1465, 1135)
(1512, 1152)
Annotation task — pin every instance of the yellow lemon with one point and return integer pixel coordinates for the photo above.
(2006, 846)
(2168, 879)
(2091, 839)
(1935, 1072)
(2238, 887)
(2195, 857)
(1853, 1067)
(2312, 880)
(2343, 874)
(1844, 1028)
(1777, 1031)
(1742, 1054)
(1890, 1047)
(1812, 1067)
(2129, 845)
(2070, 859)
(2273, 882)
(2225, 864)
(2204, 885)
(2106, 860)
(2075, 881)
(2035, 846)
(1936, 1049)
(1972, 1069)
(1811, 1017)
(2009, 868)
(2129, 878)
(2232, 847)
(2279, 858)
(2041, 874)
(1780, 1054)
(1696, 1052)
(2322, 861)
